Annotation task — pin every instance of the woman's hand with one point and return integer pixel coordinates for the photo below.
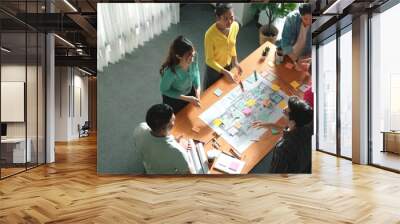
(302, 66)
(193, 100)
(229, 75)
(260, 124)
(239, 69)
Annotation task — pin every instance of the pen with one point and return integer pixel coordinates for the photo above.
(235, 153)
(255, 75)
(241, 86)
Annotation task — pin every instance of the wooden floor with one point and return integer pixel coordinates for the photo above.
(387, 159)
(70, 191)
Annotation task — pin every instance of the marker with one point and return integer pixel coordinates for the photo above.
(255, 75)
(241, 86)
(235, 153)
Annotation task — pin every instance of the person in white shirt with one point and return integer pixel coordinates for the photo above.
(161, 152)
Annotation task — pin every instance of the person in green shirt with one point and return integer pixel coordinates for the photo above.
(180, 75)
(160, 151)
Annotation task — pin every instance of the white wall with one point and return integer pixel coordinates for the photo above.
(242, 12)
(33, 127)
(15, 72)
(70, 83)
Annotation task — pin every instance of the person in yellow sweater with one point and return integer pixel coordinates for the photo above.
(220, 46)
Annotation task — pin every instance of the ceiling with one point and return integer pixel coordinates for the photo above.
(76, 20)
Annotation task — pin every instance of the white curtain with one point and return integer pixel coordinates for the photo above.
(122, 27)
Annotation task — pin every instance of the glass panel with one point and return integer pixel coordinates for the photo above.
(41, 99)
(385, 89)
(327, 96)
(13, 87)
(346, 94)
(313, 83)
(31, 98)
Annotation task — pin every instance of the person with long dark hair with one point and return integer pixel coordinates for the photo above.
(292, 153)
(220, 46)
(180, 76)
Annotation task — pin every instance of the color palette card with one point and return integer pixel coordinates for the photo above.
(218, 92)
(275, 87)
(294, 84)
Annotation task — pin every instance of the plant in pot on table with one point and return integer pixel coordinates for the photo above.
(268, 13)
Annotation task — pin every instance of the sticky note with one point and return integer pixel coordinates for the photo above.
(282, 105)
(271, 64)
(196, 129)
(274, 131)
(218, 92)
(271, 77)
(237, 125)
(217, 122)
(295, 84)
(275, 87)
(233, 131)
(234, 166)
(264, 73)
(266, 102)
(289, 65)
(303, 87)
(247, 111)
(250, 102)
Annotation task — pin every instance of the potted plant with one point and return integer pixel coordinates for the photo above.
(273, 11)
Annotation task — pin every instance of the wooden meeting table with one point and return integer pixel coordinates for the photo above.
(188, 118)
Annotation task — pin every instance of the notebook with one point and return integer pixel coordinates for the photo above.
(228, 164)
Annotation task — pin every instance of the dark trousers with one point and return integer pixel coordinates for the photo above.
(177, 104)
(212, 76)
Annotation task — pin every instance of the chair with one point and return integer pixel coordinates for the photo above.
(84, 130)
